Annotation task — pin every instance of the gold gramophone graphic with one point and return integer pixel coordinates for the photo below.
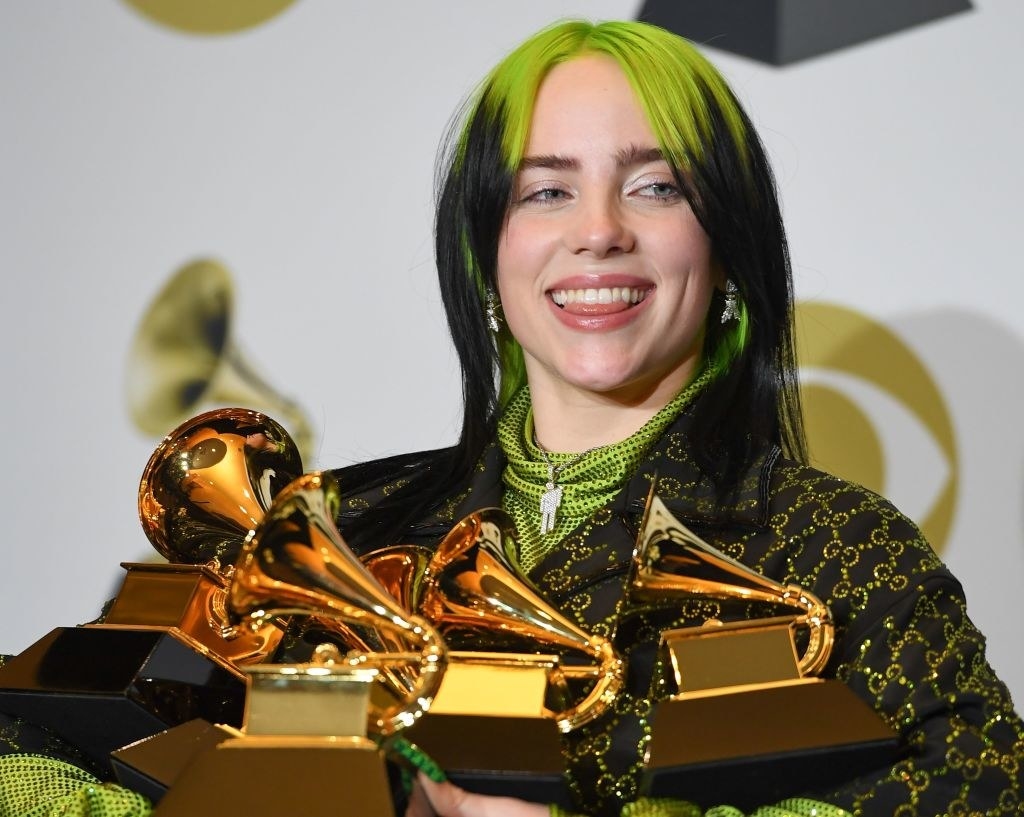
(490, 727)
(306, 725)
(748, 705)
(166, 651)
(184, 358)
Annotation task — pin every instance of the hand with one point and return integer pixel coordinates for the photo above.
(430, 799)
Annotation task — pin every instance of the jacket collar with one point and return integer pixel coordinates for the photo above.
(686, 492)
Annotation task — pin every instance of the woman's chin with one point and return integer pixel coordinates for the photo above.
(617, 386)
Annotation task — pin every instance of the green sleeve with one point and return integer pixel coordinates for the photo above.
(38, 786)
(922, 665)
(651, 807)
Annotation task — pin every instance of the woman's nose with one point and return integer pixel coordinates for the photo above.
(599, 227)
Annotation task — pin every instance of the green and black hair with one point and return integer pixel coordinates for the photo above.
(719, 163)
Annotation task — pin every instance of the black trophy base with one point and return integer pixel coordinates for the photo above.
(101, 688)
(777, 741)
(150, 766)
(497, 755)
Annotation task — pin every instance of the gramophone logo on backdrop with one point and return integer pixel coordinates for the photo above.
(875, 416)
(184, 359)
(210, 16)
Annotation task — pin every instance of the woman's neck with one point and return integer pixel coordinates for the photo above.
(574, 422)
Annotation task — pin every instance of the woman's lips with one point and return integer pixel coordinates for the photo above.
(599, 308)
(598, 300)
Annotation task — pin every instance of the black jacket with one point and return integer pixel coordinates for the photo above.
(904, 642)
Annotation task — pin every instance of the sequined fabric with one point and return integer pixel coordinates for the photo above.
(42, 775)
(18, 736)
(36, 786)
(904, 642)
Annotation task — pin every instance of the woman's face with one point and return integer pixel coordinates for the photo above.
(605, 275)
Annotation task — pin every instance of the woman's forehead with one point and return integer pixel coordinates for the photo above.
(585, 101)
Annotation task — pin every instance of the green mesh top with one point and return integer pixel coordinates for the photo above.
(588, 482)
(38, 786)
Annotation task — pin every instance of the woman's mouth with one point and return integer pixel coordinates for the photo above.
(587, 299)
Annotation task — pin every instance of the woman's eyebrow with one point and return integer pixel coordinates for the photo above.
(549, 162)
(636, 155)
(626, 157)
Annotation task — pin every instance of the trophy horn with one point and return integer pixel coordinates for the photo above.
(670, 562)
(211, 481)
(183, 358)
(297, 563)
(207, 484)
(469, 584)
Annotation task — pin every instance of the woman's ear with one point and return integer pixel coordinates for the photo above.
(718, 274)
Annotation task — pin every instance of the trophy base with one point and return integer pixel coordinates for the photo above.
(778, 741)
(317, 777)
(497, 755)
(101, 688)
(150, 766)
(190, 600)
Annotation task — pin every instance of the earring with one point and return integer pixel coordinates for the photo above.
(491, 311)
(731, 310)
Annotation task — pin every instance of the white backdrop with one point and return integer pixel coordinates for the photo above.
(300, 153)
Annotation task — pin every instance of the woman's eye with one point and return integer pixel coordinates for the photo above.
(544, 195)
(660, 190)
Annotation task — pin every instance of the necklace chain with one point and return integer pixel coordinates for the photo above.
(551, 499)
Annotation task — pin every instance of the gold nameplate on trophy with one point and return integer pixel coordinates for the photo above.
(506, 684)
(164, 595)
(309, 700)
(190, 601)
(744, 654)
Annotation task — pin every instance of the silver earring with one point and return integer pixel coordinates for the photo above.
(731, 311)
(492, 311)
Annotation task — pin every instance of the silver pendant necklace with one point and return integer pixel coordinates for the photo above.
(551, 498)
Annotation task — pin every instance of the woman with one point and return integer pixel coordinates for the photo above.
(609, 243)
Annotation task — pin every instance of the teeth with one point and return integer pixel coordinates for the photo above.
(604, 295)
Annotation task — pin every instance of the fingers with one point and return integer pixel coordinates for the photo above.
(419, 803)
(430, 799)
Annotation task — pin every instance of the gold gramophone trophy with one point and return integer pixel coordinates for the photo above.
(166, 651)
(748, 707)
(489, 726)
(311, 731)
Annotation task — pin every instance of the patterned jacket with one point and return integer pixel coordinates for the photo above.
(904, 643)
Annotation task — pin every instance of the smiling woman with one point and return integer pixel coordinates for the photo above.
(616, 279)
